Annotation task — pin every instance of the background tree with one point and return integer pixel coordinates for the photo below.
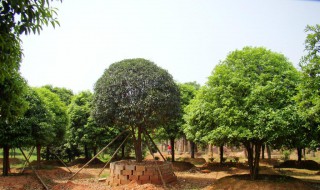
(175, 129)
(200, 121)
(12, 107)
(83, 129)
(308, 98)
(251, 91)
(138, 95)
(17, 17)
(59, 114)
(38, 118)
(64, 94)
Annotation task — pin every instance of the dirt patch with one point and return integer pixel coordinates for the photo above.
(179, 166)
(304, 164)
(264, 182)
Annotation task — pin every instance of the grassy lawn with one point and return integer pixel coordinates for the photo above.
(17, 159)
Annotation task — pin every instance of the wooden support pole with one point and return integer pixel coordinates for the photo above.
(158, 168)
(98, 154)
(113, 155)
(29, 155)
(65, 165)
(34, 171)
(146, 132)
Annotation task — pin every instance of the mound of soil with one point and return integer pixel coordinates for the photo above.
(82, 161)
(264, 182)
(304, 164)
(216, 166)
(13, 161)
(195, 161)
(179, 166)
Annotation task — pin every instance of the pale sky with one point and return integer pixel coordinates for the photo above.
(186, 37)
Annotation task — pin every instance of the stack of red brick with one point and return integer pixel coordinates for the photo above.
(123, 172)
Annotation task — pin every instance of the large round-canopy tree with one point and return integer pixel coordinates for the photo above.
(251, 97)
(138, 95)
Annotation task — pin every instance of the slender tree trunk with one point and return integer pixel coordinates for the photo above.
(95, 150)
(262, 151)
(123, 151)
(256, 161)
(138, 146)
(192, 145)
(253, 150)
(48, 153)
(221, 154)
(86, 152)
(6, 162)
(172, 149)
(304, 154)
(299, 152)
(269, 152)
(38, 155)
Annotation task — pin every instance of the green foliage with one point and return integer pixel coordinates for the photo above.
(65, 94)
(136, 94)
(58, 110)
(308, 98)
(251, 91)
(38, 119)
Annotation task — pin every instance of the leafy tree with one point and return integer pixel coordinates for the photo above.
(38, 119)
(59, 114)
(175, 129)
(251, 91)
(138, 95)
(83, 129)
(65, 94)
(308, 98)
(12, 107)
(17, 17)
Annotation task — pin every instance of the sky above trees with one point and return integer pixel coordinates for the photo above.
(188, 38)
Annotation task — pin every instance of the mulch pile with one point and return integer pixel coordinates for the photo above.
(304, 164)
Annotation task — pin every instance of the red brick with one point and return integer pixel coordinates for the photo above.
(126, 172)
(134, 177)
(123, 177)
(137, 173)
(119, 167)
(149, 168)
(145, 181)
(144, 177)
(130, 167)
(150, 173)
(140, 168)
(156, 181)
(154, 177)
(124, 182)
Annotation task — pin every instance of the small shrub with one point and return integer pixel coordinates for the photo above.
(211, 159)
(286, 155)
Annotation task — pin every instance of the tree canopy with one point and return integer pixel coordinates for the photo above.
(136, 94)
(251, 93)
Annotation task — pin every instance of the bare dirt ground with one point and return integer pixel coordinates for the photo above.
(204, 176)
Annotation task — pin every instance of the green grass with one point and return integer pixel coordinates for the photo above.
(20, 160)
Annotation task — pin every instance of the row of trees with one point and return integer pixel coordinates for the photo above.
(256, 97)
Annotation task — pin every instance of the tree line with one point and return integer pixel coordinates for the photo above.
(252, 98)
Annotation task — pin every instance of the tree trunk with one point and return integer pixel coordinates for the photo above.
(172, 149)
(269, 152)
(299, 152)
(253, 150)
(86, 155)
(95, 151)
(262, 151)
(192, 145)
(122, 151)
(6, 162)
(138, 146)
(221, 154)
(38, 155)
(48, 153)
(185, 144)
